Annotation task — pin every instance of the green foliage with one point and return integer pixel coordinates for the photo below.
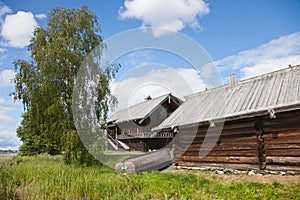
(45, 83)
(76, 153)
(47, 177)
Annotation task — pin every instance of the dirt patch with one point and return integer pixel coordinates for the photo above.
(227, 178)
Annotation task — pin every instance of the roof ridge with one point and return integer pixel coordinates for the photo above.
(143, 102)
(243, 81)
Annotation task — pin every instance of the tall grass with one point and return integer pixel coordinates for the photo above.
(46, 177)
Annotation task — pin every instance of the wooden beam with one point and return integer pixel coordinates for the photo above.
(295, 161)
(225, 159)
(216, 165)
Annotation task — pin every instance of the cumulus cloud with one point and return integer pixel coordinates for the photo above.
(17, 29)
(6, 78)
(159, 81)
(5, 110)
(2, 50)
(135, 58)
(271, 56)
(4, 9)
(40, 16)
(166, 14)
(8, 122)
(4, 117)
(9, 139)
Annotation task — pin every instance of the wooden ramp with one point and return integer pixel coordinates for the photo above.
(156, 160)
(117, 144)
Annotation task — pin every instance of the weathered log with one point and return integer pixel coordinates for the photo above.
(227, 147)
(209, 141)
(280, 121)
(270, 142)
(251, 153)
(283, 128)
(283, 140)
(225, 138)
(148, 162)
(282, 146)
(213, 133)
(277, 134)
(283, 160)
(283, 168)
(283, 152)
(226, 159)
(216, 165)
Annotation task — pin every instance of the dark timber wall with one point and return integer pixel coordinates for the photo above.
(282, 141)
(146, 144)
(252, 143)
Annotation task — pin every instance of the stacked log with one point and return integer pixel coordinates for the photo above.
(260, 143)
(282, 141)
(235, 148)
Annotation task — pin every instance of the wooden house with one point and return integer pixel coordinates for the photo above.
(133, 125)
(250, 124)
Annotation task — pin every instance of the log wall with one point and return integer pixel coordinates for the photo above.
(259, 143)
(282, 141)
(146, 144)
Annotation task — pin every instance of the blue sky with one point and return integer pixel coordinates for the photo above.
(248, 38)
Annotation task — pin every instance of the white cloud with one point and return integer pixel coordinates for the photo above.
(3, 11)
(180, 82)
(9, 139)
(139, 57)
(5, 108)
(17, 29)
(8, 111)
(6, 78)
(166, 14)
(4, 117)
(40, 16)
(274, 55)
(2, 50)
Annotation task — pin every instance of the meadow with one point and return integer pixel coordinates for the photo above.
(47, 177)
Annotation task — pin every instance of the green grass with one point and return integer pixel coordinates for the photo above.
(46, 177)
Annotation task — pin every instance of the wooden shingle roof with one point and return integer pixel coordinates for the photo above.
(273, 92)
(141, 110)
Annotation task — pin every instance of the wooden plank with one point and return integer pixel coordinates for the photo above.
(283, 152)
(237, 124)
(226, 142)
(223, 132)
(283, 168)
(217, 165)
(283, 140)
(283, 160)
(237, 137)
(227, 147)
(251, 153)
(232, 141)
(282, 146)
(281, 134)
(282, 128)
(281, 121)
(227, 159)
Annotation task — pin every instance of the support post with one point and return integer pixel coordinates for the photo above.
(261, 153)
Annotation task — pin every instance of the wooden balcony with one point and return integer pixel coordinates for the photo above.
(146, 135)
